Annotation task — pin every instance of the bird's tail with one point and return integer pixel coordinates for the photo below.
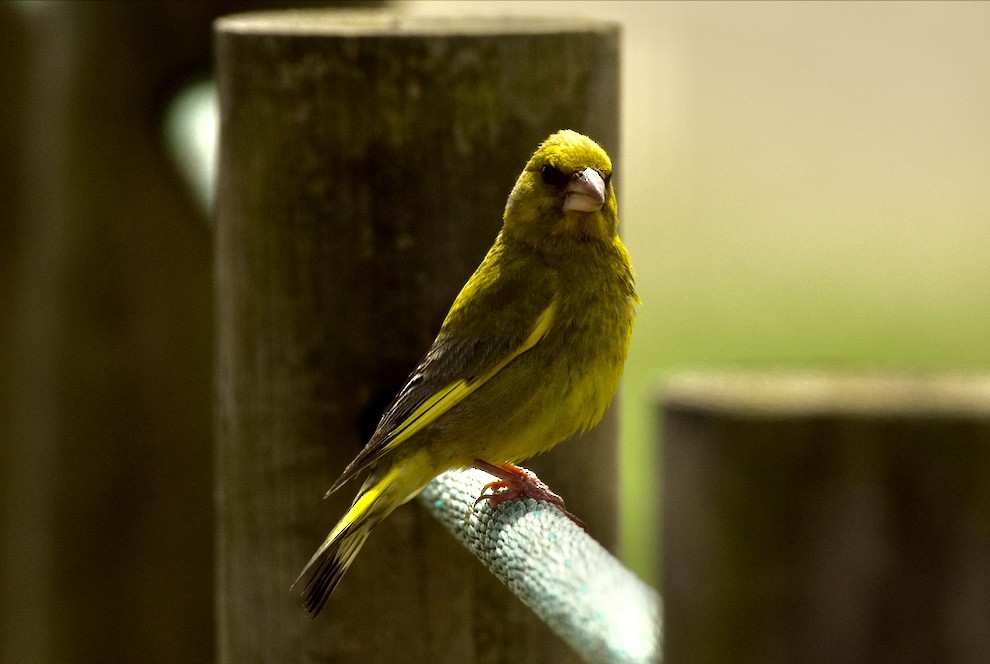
(373, 503)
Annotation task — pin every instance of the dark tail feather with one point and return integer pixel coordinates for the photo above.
(341, 546)
(330, 565)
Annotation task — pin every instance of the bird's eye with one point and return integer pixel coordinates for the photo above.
(553, 176)
(607, 177)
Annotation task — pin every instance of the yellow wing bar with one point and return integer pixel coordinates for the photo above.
(453, 394)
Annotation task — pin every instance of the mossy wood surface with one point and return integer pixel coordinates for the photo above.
(364, 165)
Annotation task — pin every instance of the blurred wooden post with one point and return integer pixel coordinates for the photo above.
(105, 339)
(364, 165)
(812, 519)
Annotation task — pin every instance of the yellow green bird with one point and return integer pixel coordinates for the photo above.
(529, 354)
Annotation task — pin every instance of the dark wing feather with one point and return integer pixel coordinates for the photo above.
(455, 366)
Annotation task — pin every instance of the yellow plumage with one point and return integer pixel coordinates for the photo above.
(530, 353)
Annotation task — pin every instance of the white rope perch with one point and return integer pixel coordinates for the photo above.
(572, 583)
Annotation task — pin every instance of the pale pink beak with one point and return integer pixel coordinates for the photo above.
(585, 191)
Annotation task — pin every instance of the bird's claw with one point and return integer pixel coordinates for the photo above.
(515, 482)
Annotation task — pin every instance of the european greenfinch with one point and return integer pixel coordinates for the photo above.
(530, 353)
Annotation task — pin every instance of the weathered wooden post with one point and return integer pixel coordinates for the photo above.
(813, 519)
(364, 164)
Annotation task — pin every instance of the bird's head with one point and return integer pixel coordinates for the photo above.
(564, 192)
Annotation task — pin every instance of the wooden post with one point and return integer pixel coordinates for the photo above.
(365, 160)
(812, 519)
(105, 340)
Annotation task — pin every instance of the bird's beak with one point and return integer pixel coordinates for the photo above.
(585, 191)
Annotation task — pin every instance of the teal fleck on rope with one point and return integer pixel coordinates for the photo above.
(569, 580)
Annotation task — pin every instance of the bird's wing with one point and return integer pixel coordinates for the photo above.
(453, 368)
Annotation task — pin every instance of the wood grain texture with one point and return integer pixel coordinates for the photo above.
(364, 165)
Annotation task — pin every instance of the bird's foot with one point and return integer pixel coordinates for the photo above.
(516, 482)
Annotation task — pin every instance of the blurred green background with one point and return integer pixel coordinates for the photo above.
(803, 185)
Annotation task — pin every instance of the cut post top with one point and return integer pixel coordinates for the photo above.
(793, 393)
(372, 23)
